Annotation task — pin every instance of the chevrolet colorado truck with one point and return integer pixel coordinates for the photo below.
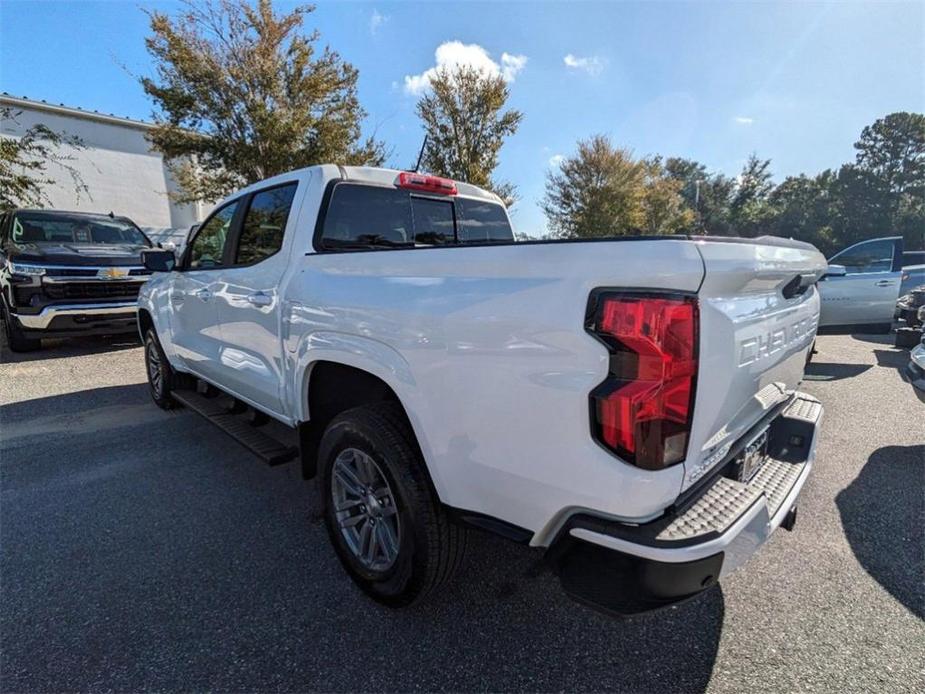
(628, 406)
(64, 274)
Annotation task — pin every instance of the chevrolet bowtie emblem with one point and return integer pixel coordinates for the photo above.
(111, 273)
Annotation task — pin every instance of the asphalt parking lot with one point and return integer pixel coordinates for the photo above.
(146, 550)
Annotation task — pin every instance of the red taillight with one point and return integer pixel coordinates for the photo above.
(429, 184)
(643, 409)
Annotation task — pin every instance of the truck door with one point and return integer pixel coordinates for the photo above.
(867, 293)
(193, 318)
(248, 302)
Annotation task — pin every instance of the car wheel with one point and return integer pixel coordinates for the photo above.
(162, 379)
(15, 338)
(810, 353)
(384, 519)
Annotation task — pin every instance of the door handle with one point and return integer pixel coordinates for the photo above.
(259, 299)
(176, 298)
(203, 294)
(885, 283)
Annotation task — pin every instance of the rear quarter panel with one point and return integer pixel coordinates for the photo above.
(486, 348)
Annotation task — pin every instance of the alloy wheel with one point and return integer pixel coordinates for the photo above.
(155, 374)
(365, 510)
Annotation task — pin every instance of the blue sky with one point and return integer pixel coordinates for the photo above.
(711, 81)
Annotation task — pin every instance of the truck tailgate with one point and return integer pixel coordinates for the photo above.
(759, 309)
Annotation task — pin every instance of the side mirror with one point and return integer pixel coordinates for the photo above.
(158, 260)
(835, 271)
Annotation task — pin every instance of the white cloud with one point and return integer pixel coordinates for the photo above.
(452, 54)
(590, 64)
(511, 65)
(744, 120)
(376, 20)
(556, 160)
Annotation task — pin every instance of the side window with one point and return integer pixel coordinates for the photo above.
(873, 256)
(264, 224)
(433, 221)
(482, 222)
(913, 258)
(367, 216)
(209, 244)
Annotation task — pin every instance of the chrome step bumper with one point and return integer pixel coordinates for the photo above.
(626, 569)
(41, 320)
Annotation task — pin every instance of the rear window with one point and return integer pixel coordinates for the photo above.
(482, 222)
(433, 221)
(362, 216)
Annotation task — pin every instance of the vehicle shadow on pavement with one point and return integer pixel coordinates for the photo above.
(831, 371)
(874, 338)
(881, 512)
(143, 549)
(73, 347)
(892, 359)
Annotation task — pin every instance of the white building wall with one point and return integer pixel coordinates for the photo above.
(122, 173)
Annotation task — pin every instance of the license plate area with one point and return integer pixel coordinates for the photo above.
(751, 458)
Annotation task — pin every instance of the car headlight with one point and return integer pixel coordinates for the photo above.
(26, 269)
(921, 313)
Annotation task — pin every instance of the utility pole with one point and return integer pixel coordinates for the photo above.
(697, 203)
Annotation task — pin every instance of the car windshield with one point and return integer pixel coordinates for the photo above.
(37, 227)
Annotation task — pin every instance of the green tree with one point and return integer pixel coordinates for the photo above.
(466, 126)
(893, 148)
(803, 207)
(603, 191)
(243, 94)
(748, 210)
(24, 163)
(862, 206)
(708, 195)
(664, 209)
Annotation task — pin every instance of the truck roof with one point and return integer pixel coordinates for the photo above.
(361, 174)
(68, 213)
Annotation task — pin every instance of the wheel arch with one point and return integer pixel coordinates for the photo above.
(333, 386)
(145, 321)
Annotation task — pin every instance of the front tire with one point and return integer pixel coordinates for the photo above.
(15, 338)
(162, 379)
(386, 524)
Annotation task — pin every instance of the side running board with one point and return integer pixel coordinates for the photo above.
(265, 447)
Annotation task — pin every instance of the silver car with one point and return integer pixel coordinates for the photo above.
(861, 286)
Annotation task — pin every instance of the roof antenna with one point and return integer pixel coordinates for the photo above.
(111, 215)
(421, 154)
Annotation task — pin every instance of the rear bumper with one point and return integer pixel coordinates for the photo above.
(628, 569)
(66, 320)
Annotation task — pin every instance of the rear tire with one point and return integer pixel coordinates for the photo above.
(162, 379)
(372, 470)
(810, 353)
(15, 338)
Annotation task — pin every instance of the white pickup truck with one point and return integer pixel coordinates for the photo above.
(629, 406)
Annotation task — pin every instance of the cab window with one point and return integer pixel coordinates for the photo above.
(264, 224)
(368, 217)
(433, 221)
(873, 256)
(481, 221)
(365, 217)
(208, 247)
